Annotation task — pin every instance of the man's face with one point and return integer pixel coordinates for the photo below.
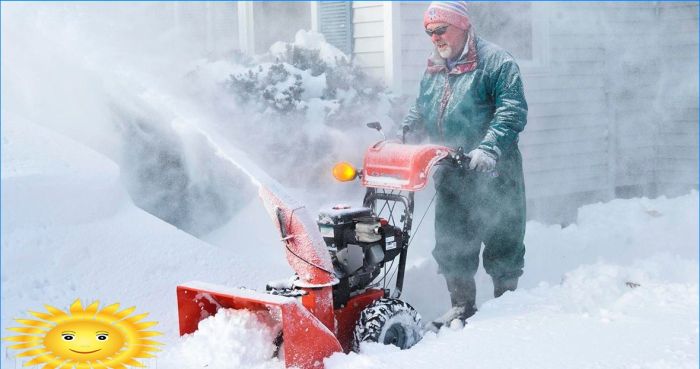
(449, 44)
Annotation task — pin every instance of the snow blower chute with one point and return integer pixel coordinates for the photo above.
(344, 262)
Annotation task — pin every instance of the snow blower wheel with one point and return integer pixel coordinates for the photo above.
(388, 321)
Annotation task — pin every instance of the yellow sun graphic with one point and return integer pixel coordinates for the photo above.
(85, 338)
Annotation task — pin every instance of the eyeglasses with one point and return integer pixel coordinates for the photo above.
(437, 31)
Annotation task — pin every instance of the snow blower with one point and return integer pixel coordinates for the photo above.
(343, 261)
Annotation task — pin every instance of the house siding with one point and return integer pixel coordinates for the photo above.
(611, 114)
(677, 155)
(368, 36)
(212, 24)
(415, 47)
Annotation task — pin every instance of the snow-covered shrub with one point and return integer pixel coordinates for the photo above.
(275, 88)
(306, 103)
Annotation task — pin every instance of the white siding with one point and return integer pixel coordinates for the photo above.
(368, 36)
(677, 166)
(212, 24)
(415, 46)
(613, 107)
(565, 144)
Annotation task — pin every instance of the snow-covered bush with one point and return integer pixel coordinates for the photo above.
(305, 103)
(276, 88)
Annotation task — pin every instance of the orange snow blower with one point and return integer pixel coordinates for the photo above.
(343, 263)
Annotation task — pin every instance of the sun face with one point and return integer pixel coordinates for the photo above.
(85, 338)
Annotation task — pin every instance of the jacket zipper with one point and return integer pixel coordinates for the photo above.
(447, 93)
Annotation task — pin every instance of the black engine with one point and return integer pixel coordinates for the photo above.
(359, 244)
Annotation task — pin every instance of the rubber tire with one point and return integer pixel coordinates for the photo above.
(388, 321)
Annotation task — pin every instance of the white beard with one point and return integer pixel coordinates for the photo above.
(446, 52)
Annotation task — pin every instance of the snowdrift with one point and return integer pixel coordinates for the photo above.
(618, 289)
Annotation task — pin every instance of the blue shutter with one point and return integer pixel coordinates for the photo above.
(335, 23)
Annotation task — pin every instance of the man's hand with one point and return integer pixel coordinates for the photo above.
(481, 160)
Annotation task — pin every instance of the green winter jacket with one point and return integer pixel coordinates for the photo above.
(480, 107)
(486, 107)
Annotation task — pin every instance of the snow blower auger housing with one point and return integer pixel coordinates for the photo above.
(344, 262)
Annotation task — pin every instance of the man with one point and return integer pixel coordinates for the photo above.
(471, 96)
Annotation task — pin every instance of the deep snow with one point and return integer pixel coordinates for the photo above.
(617, 289)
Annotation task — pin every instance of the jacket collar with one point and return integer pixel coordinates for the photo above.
(467, 62)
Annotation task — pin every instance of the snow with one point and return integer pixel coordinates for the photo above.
(311, 40)
(229, 339)
(616, 289)
(591, 320)
(205, 287)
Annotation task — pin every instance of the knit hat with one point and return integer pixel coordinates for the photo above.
(451, 12)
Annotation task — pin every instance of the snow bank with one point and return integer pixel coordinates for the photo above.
(229, 339)
(618, 289)
(39, 192)
(601, 316)
(69, 231)
(620, 232)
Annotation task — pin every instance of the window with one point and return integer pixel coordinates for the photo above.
(520, 28)
(334, 22)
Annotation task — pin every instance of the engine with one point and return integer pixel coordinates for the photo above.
(359, 244)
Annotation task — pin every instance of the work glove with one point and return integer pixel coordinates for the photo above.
(481, 160)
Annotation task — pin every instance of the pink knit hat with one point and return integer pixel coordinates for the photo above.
(451, 12)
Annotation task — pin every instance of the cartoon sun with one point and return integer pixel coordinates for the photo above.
(85, 338)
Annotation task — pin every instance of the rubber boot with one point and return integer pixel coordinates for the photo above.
(463, 296)
(501, 285)
(462, 291)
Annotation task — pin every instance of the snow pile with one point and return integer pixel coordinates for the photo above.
(40, 192)
(620, 232)
(69, 231)
(618, 289)
(229, 339)
(601, 316)
(313, 41)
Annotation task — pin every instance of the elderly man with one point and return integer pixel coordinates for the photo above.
(471, 96)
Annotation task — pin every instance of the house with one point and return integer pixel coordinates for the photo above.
(612, 86)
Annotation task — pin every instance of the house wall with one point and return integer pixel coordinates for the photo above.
(613, 100)
(416, 46)
(567, 147)
(368, 36)
(213, 24)
(677, 99)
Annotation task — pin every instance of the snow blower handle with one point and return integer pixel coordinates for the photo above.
(459, 159)
(378, 127)
(404, 130)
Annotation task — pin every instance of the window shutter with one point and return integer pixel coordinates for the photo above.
(335, 23)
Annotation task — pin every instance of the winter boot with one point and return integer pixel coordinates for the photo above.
(463, 296)
(501, 285)
(456, 315)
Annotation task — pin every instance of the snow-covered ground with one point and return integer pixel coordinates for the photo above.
(616, 289)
